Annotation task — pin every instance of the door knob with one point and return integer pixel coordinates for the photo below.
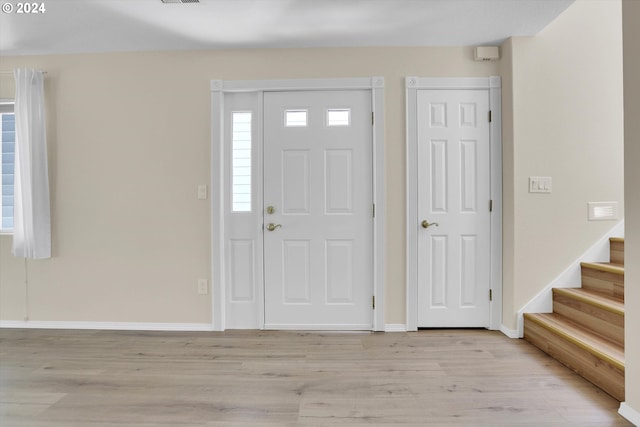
(272, 226)
(426, 224)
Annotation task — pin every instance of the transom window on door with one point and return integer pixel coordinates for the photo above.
(241, 161)
(295, 118)
(7, 165)
(339, 117)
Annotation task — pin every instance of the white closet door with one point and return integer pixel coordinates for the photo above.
(454, 192)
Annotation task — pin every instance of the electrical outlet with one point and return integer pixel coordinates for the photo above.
(202, 192)
(203, 287)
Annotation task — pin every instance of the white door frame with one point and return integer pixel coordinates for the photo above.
(219, 180)
(493, 85)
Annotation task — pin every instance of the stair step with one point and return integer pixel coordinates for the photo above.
(606, 267)
(616, 250)
(604, 348)
(603, 301)
(603, 277)
(595, 358)
(598, 312)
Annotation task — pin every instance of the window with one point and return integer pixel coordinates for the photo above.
(241, 161)
(295, 118)
(340, 117)
(7, 165)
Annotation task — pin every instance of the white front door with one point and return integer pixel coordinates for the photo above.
(318, 225)
(454, 222)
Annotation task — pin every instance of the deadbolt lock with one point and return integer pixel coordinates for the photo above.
(270, 210)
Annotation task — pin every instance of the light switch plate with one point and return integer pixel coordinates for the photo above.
(540, 184)
(203, 286)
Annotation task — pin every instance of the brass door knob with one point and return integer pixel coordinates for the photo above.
(272, 226)
(426, 224)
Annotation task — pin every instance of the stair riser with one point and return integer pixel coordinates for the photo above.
(603, 281)
(617, 252)
(609, 325)
(587, 365)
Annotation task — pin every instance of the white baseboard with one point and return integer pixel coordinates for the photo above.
(629, 413)
(395, 327)
(571, 277)
(312, 327)
(511, 333)
(112, 326)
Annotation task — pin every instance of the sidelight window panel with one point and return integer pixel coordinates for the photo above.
(241, 145)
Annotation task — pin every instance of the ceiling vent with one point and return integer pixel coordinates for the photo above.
(180, 1)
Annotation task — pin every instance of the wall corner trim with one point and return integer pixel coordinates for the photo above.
(216, 85)
(629, 413)
(511, 333)
(377, 82)
(410, 81)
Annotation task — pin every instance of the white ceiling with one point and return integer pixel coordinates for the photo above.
(81, 26)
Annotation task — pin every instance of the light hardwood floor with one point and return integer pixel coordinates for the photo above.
(262, 378)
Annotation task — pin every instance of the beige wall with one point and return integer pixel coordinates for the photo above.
(631, 17)
(129, 142)
(566, 123)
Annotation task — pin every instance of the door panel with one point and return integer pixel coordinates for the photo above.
(339, 181)
(242, 279)
(339, 274)
(453, 198)
(296, 277)
(295, 181)
(318, 178)
(243, 211)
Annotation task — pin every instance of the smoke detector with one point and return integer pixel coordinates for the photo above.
(486, 53)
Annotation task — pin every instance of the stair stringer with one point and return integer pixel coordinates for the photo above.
(569, 278)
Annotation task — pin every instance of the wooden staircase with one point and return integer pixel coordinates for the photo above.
(585, 332)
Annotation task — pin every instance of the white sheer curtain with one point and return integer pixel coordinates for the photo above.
(31, 211)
